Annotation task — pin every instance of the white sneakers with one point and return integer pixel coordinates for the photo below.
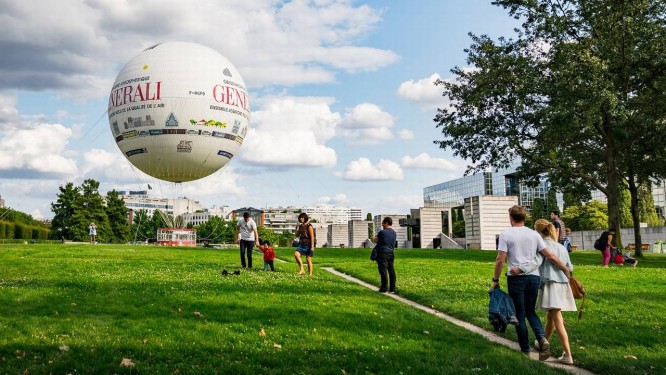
(566, 359)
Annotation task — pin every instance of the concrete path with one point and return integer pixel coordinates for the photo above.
(490, 336)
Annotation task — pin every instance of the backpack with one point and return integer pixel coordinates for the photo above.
(567, 244)
(314, 235)
(599, 245)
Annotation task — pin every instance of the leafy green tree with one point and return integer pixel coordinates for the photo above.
(63, 208)
(267, 234)
(89, 208)
(648, 210)
(551, 202)
(216, 230)
(577, 94)
(141, 228)
(625, 209)
(590, 216)
(116, 211)
(538, 209)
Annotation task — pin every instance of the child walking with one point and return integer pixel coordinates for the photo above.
(269, 255)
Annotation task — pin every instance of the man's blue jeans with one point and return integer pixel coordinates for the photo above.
(523, 291)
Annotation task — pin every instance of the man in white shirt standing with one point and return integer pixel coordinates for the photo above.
(517, 245)
(248, 238)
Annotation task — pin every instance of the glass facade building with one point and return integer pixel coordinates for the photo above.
(498, 183)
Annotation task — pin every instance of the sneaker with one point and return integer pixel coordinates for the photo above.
(544, 349)
(393, 291)
(383, 290)
(566, 359)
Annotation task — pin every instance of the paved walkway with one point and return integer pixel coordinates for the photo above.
(490, 336)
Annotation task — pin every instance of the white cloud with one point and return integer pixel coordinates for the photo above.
(35, 151)
(423, 92)
(425, 161)
(103, 165)
(291, 131)
(37, 214)
(367, 123)
(406, 134)
(219, 187)
(401, 203)
(363, 170)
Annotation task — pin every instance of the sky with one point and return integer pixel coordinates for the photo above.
(341, 93)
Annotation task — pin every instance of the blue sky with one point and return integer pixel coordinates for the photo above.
(341, 95)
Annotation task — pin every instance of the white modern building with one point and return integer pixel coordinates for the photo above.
(140, 200)
(280, 219)
(358, 232)
(329, 214)
(337, 235)
(485, 218)
(200, 217)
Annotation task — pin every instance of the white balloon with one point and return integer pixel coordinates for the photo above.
(179, 111)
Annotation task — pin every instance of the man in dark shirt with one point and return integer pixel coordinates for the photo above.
(559, 226)
(385, 241)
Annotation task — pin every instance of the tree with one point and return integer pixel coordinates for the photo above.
(648, 211)
(590, 216)
(551, 202)
(141, 228)
(89, 208)
(578, 94)
(537, 211)
(116, 211)
(63, 208)
(216, 230)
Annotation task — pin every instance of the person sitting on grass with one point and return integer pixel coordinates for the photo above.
(269, 255)
(628, 259)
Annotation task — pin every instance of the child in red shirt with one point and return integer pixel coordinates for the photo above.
(269, 255)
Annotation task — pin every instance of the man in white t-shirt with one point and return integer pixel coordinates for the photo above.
(248, 238)
(517, 245)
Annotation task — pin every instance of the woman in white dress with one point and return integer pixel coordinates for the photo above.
(555, 294)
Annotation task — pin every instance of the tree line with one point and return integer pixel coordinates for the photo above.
(78, 206)
(18, 225)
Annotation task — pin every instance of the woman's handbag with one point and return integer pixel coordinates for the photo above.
(578, 292)
(576, 288)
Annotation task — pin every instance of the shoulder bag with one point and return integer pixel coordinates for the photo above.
(578, 292)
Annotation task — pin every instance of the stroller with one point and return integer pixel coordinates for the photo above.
(617, 257)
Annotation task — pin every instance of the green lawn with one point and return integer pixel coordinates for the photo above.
(82, 309)
(625, 310)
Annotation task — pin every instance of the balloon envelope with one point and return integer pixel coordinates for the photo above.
(179, 111)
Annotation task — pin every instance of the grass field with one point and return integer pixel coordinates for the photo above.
(83, 309)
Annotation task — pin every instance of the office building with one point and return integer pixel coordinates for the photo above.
(337, 235)
(140, 200)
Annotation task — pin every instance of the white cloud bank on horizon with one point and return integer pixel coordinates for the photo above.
(425, 161)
